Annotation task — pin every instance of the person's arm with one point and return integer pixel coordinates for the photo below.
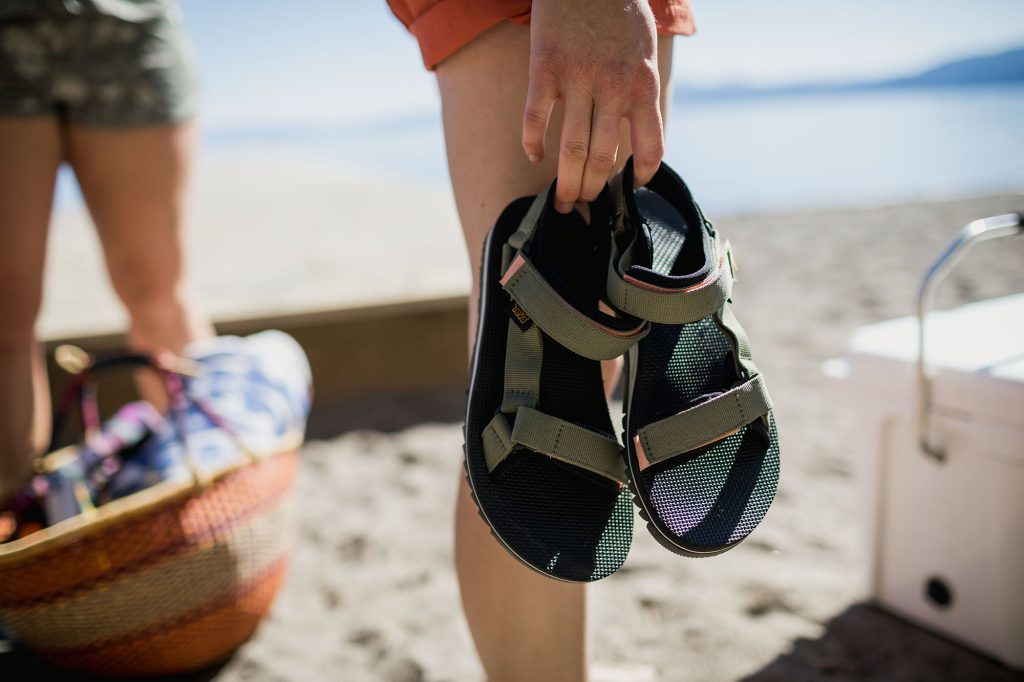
(600, 58)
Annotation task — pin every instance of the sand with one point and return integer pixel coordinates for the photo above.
(372, 595)
(273, 233)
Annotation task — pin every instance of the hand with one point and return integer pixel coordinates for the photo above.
(600, 58)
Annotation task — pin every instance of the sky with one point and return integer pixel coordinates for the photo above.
(336, 61)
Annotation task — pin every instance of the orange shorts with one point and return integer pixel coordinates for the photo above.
(443, 26)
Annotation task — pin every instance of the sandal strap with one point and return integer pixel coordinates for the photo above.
(540, 303)
(557, 438)
(528, 225)
(524, 355)
(669, 305)
(703, 424)
(570, 327)
(729, 323)
(538, 309)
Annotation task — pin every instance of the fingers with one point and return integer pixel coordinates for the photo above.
(604, 148)
(647, 138)
(540, 99)
(575, 148)
(594, 108)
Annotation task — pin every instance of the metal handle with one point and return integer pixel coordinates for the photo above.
(971, 234)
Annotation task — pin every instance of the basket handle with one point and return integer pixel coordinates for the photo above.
(971, 234)
(82, 391)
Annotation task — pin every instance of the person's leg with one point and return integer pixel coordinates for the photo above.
(525, 626)
(29, 156)
(135, 182)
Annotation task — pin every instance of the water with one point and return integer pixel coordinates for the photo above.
(849, 149)
(757, 153)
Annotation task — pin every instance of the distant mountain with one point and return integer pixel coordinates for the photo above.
(1005, 67)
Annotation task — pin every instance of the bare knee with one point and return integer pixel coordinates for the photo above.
(157, 313)
(161, 313)
(148, 290)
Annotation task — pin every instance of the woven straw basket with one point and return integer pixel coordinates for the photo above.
(169, 579)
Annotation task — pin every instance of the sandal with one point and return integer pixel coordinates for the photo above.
(544, 468)
(701, 442)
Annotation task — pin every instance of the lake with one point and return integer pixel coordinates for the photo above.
(747, 154)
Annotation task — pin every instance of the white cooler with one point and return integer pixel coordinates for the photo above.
(944, 484)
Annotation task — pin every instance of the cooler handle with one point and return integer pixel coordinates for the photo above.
(971, 234)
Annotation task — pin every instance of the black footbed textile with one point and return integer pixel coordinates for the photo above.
(706, 501)
(560, 520)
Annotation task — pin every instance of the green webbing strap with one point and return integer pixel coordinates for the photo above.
(705, 423)
(560, 320)
(741, 344)
(671, 306)
(539, 307)
(524, 349)
(528, 225)
(498, 444)
(524, 353)
(556, 438)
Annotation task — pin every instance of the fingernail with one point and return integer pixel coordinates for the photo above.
(563, 208)
(535, 158)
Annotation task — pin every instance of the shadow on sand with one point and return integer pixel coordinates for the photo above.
(19, 665)
(862, 644)
(865, 643)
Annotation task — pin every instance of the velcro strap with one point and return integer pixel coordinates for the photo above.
(554, 437)
(672, 306)
(498, 443)
(558, 319)
(702, 424)
(524, 357)
(740, 342)
(528, 225)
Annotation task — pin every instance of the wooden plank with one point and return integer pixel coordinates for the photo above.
(404, 349)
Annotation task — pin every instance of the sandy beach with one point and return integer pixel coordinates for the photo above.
(371, 593)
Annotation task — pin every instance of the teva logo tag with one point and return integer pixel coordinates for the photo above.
(520, 316)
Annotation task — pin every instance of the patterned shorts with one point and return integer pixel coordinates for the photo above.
(95, 69)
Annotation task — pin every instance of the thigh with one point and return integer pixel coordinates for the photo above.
(483, 92)
(30, 153)
(135, 183)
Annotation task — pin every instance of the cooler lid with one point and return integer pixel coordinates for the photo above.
(975, 354)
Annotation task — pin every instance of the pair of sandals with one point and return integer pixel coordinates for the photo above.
(701, 455)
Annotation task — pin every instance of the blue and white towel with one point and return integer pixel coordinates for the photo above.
(249, 394)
